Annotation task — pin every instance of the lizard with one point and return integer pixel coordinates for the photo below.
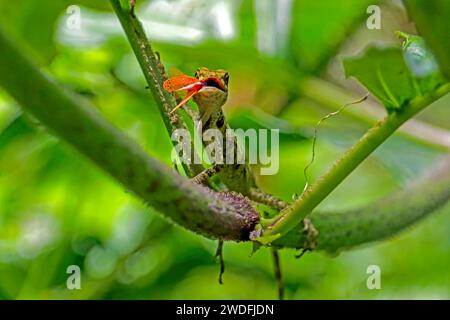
(209, 90)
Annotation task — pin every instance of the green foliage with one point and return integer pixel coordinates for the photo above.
(384, 73)
(325, 26)
(34, 23)
(57, 209)
(396, 76)
(431, 19)
(421, 63)
(246, 118)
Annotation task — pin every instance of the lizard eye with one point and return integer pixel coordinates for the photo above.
(226, 77)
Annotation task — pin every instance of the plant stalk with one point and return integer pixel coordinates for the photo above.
(351, 159)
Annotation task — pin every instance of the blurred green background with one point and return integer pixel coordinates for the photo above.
(284, 58)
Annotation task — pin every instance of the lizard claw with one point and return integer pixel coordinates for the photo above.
(219, 254)
(311, 235)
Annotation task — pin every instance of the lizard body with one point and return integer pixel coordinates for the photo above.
(209, 89)
(210, 99)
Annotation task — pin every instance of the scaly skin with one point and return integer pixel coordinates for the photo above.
(210, 99)
(237, 177)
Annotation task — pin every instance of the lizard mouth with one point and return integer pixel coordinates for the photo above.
(213, 83)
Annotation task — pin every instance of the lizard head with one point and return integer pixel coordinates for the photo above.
(214, 92)
(209, 88)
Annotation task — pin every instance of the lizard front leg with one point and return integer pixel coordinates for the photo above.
(311, 237)
(203, 176)
(260, 196)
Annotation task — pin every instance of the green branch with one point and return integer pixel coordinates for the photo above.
(384, 218)
(215, 215)
(148, 62)
(316, 193)
(415, 130)
(152, 70)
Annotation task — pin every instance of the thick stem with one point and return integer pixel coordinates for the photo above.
(384, 218)
(216, 215)
(152, 72)
(147, 60)
(315, 194)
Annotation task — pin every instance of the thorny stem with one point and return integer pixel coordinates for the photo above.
(291, 215)
(351, 159)
(151, 69)
(75, 120)
(211, 214)
(384, 218)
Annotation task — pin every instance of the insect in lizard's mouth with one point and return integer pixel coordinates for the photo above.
(213, 83)
(194, 86)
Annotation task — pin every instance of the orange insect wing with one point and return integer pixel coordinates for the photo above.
(178, 82)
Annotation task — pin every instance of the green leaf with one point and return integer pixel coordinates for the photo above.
(384, 73)
(396, 76)
(17, 127)
(431, 19)
(255, 247)
(421, 62)
(418, 57)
